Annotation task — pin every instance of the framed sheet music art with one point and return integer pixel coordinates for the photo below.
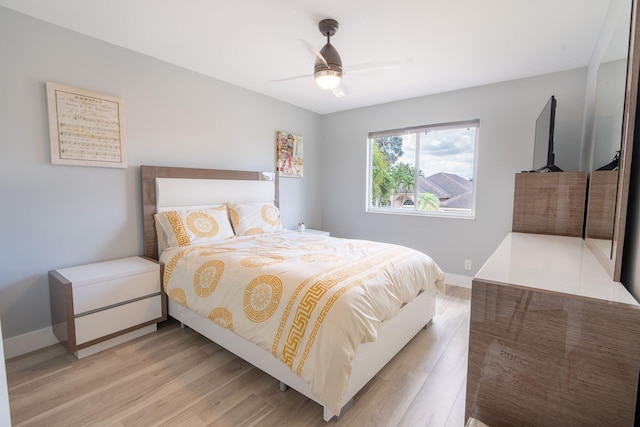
(85, 128)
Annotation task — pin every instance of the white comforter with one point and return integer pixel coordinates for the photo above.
(310, 300)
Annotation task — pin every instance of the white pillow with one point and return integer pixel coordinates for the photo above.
(189, 227)
(254, 218)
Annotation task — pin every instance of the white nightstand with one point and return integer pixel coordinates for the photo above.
(312, 231)
(97, 306)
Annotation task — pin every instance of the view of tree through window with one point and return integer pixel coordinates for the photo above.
(428, 169)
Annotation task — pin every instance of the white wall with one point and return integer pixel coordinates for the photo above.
(58, 216)
(507, 113)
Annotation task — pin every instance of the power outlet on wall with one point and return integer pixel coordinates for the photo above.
(467, 264)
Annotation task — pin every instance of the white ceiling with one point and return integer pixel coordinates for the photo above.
(441, 45)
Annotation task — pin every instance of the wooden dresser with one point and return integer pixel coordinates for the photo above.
(550, 203)
(553, 340)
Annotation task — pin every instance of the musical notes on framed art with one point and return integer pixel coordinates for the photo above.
(85, 128)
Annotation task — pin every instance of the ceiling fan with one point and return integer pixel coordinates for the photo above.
(328, 69)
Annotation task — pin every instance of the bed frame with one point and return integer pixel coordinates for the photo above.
(394, 334)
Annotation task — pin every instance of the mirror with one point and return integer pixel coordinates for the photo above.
(613, 124)
(607, 134)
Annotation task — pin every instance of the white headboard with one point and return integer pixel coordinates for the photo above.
(165, 188)
(175, 193)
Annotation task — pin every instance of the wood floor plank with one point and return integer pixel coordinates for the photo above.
(456, 414)
(88, 376)
(385, 403)
(432, 405)
(245, 412)
(216, 377)
(291, 409)
(163, 400)
(426, 348)
(210, 406)
(29, 364)
(97, 401)
(176, 377)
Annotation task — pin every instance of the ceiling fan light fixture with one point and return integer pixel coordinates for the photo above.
(328, 79)
(328, 67)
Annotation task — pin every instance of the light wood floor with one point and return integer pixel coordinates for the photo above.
(177, 377)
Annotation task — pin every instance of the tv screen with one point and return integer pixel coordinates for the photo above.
(543, 156)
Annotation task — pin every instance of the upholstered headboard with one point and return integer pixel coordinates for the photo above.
(171, 187)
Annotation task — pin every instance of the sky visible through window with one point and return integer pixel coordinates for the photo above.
(448, 150)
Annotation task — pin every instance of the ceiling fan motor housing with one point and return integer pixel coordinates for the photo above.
(328, 28)
(331, 55)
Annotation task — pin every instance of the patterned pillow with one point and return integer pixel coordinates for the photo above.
(254, 218)
(184, 228)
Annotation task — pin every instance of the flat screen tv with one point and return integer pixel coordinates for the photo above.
(543, 155)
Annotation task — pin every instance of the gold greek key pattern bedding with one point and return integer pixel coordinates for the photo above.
(308, 299)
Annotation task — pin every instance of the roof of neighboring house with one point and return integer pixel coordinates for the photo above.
(461, 201)
(444, 185)
(426, 186)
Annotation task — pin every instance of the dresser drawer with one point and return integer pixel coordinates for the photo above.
(102, 323)
(110, 292)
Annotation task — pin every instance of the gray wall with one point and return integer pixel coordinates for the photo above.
(507, 113)
(58, 216)
(609, 110)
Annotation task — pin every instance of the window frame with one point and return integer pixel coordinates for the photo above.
(442, 212)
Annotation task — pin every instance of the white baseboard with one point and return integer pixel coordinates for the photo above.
(458, 280)
(26, 343)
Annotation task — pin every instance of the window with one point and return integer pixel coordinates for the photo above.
(425, 170)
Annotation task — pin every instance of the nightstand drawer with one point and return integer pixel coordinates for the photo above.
(110, 292)
(102, 323)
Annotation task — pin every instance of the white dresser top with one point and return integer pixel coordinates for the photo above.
(88, 274)
(552, 263)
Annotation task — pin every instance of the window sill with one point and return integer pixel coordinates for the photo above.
(432, 214)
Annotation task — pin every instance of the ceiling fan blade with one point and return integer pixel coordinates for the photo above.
(340, 90)
(372, 66)
(315, 52)
(304, 76)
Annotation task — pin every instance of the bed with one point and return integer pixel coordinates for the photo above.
(320, 314)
